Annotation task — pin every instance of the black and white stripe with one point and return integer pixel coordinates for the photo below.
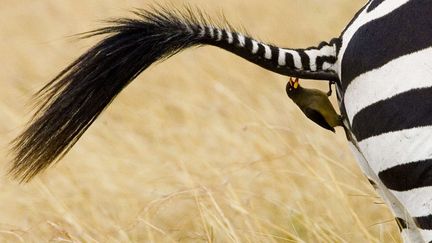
(381, 63)
(385, 69)
(74, 99)
(314, 62)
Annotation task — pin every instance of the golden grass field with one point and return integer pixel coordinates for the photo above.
(204, 147)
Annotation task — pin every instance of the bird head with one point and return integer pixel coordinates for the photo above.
(292, 86)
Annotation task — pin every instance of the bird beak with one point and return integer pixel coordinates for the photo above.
(296, 83)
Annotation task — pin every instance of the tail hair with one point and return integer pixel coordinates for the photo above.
(72, 101)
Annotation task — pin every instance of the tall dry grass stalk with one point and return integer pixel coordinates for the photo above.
(204, 147)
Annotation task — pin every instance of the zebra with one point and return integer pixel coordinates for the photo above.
(379, 65)
(383, 94)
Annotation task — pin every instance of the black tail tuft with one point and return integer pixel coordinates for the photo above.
(70, 103)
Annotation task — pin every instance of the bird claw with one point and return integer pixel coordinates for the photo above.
(329, 93)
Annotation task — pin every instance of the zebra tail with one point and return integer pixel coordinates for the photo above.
(72, 101)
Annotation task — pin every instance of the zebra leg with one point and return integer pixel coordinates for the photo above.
(418, 199)
(401, 161)
(409, 231)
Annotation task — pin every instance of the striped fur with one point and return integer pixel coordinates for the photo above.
(381, 63)
(72, 101)
(385, 94)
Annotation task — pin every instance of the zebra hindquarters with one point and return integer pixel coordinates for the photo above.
(390, 111)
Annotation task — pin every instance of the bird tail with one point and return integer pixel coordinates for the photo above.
(72, 101)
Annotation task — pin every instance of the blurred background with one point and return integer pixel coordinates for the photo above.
(204, 147)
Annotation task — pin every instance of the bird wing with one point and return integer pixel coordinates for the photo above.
(318, 118)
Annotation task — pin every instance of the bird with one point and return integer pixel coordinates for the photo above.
(316, 105)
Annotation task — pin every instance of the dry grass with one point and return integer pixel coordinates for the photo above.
(204, 147)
